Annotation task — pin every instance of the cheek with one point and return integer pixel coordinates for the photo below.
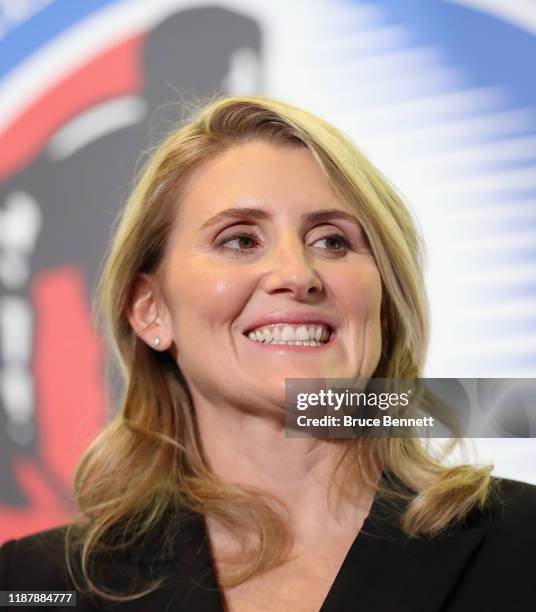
(208, 297)
(360, 292)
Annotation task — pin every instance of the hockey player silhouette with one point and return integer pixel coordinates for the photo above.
(63, 205)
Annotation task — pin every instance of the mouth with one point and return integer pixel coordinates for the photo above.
(296, 336)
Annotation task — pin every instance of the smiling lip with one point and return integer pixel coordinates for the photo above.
(291, 319)
(294, 347)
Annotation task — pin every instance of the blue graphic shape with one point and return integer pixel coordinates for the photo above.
(490, 52)
(488, 48)
(27, 38)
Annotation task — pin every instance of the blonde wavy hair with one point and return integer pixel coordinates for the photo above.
(147, 463)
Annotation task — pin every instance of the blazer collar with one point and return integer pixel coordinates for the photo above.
(384, 570)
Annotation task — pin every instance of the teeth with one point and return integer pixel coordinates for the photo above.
(299, 343)
(288, 333)
(303, 335)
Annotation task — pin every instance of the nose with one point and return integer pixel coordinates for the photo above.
(291, 270)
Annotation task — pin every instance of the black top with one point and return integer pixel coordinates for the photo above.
(486, 563)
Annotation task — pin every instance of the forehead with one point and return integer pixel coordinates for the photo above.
(258, 173)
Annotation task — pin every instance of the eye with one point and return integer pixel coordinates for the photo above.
(249, 238)
(341, 243)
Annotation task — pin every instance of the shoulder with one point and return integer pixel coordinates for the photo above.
(506, 523)
(498, 572)
(512, 502)
(510, 511)
(36, 561)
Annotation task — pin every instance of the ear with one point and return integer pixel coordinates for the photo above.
(148, 315)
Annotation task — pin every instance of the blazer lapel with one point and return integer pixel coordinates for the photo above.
(385, 571)
(190, 583)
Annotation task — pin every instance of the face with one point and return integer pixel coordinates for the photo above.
(289, 254)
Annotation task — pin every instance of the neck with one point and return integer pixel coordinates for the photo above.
(252, 450)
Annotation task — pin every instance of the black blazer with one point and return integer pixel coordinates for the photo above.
(487, 563)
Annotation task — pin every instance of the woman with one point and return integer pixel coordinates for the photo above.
(259, 245)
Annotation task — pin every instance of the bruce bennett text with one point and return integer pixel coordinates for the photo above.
(349, 421)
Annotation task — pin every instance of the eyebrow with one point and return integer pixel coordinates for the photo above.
(318, 216)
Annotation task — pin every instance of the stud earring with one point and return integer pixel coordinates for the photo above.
(157, 341)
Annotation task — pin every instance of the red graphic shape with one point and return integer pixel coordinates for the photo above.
(45, 508)
(116, 72)
(70, 396)
(68, 369)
